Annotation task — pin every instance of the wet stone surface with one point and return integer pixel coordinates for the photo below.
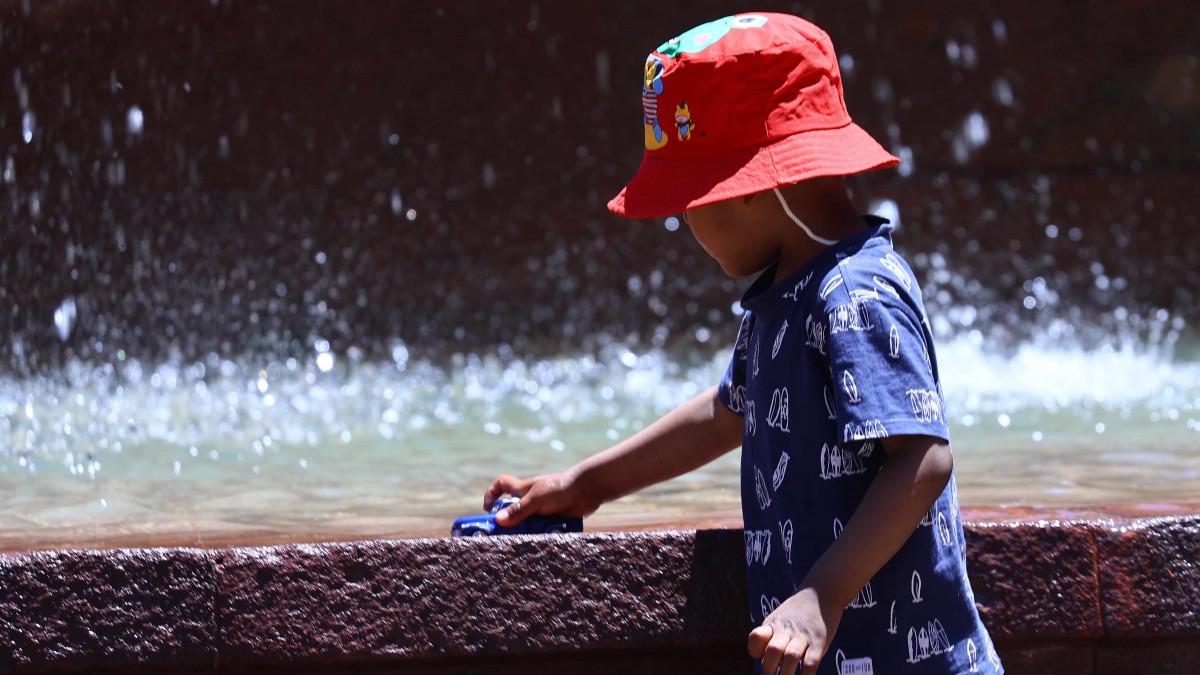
(430, 598)
(1036, 581)
(1150, 578)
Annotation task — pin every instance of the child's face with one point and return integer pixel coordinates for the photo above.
(735, 234)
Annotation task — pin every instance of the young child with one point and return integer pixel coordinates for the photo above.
(854, 545)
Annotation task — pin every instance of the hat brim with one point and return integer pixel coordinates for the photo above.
(664, 187)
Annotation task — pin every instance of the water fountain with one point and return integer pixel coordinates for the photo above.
(274, 273)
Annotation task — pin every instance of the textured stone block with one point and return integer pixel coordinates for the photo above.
(1035, 581)
(453, 597)
(121, 609)
(1150, 578)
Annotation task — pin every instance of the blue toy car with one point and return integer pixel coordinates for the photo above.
(484, 524)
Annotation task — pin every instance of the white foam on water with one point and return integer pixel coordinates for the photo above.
(977, 380)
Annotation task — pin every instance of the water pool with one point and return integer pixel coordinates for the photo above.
(337, 447)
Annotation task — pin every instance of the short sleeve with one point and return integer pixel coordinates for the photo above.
(884, 374)
(732, 389)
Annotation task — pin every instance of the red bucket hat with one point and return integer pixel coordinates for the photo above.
(741, 105)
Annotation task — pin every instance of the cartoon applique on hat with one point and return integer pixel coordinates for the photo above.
(683, 120)
(692, 42)
(651, 88)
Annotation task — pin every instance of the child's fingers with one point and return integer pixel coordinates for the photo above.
(757, 645)
(812, 659)
(503, 485)
(515, 513)
(775, 651)
(792, 653)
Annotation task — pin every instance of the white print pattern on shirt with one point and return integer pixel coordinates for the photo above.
(760, 487)
(926, 404)
(864, 294)
(829, 404)
(892, 628)
(868, 430)
(780, 471)
(779, 339)
(743, 339)
(972, 655)
(928, 519)
(943, 529)
(834, 281)
(852, 316)
(867, 449)
(865, 598)
(836, 462)
(757, 344)
(880, 283)
(785, 534)
(777, 415)
(768, 605)
(816, 334)
(751, 423)
(916, 587)
(859, 666)
(892, 263)
(850, 387)
(894, 342)
(929, 641)
(953, 498)
(794, 294)
(737, 399)
(758, 546)
(837, 527)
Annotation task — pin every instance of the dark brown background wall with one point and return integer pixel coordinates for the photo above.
(279, 133)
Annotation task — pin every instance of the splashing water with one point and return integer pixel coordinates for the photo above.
(322, 445)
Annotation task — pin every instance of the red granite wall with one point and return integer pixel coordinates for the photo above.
(1106, 595)
(273, 132)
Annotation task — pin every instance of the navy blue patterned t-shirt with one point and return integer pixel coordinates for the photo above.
(828, 361)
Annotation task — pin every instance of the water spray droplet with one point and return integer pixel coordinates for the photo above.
(64, 318)
(134, 121)
(28, 125)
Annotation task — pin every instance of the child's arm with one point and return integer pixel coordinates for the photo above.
(684, 439)
(910, 481)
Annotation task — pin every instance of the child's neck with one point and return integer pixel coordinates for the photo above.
(826, 211)
(792, 260)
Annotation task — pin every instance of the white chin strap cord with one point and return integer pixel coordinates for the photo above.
(788, 211)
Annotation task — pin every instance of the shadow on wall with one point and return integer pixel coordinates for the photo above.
(247, 177)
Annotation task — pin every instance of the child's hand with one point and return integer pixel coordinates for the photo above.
(548, 494)
(796, 634)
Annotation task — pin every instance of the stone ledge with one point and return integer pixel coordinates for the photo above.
(1036, 581)
(1053, 592)
(85, 610)
(407, 599)
(1149, 572)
